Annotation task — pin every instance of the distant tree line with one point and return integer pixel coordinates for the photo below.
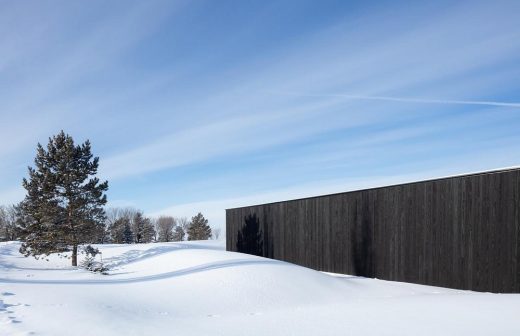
(121, 226)
(9, 222)
(129, 225)
(65, 206)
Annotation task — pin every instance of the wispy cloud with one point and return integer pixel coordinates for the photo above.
(160, 86)
(236, 135)
(409, 100)
(433, 56)
(41, 77)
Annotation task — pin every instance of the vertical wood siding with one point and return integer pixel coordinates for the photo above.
(460, 232)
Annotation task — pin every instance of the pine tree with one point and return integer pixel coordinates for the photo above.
(143, 229)
(199, 228)
(63, 205)
(121, 232)
(178, 233)
(127, 234)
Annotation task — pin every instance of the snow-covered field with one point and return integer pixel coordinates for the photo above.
(197, 288)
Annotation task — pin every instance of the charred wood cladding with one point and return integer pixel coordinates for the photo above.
(460, 232)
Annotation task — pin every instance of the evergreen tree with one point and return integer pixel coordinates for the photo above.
(121, 232)
(178, 233)
(63, 205)
(128, 235)
(199, 228)
(143, 229)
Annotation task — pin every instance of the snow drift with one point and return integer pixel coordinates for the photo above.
(197, 288)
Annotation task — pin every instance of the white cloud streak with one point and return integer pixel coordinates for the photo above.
(408, 99)
(386, 63)
(437, 54)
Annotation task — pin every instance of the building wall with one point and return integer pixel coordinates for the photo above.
(460, 232)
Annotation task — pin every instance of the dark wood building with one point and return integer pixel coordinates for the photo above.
(460, 232)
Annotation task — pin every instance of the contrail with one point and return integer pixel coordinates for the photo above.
(411, 100)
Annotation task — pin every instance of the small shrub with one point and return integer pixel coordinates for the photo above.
(90, 263)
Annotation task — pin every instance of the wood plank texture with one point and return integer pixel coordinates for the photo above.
(460, 232)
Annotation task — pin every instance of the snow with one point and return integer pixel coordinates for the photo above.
(197, 288)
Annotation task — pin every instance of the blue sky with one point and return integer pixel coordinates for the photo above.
(205, 105)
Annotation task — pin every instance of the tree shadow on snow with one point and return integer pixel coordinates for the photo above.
(166, 275)
(138, 255)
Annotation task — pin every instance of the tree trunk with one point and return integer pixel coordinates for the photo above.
(75, 255)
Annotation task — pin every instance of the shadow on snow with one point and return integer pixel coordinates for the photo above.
(167, 275)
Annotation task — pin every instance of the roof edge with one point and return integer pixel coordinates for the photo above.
(485, 172)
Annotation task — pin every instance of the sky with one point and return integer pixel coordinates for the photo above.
(198, 106)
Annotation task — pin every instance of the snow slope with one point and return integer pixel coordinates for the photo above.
(197, 288)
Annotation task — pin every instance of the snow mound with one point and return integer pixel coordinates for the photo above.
(197, 288)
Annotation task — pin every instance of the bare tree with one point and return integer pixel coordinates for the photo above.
(3, 223)
(155, 225)
(112, 214)
(8, 222)
(216, 233)
(128, 212)
(184, 223)
(117, 215)
(165, 226)
(111, 217)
